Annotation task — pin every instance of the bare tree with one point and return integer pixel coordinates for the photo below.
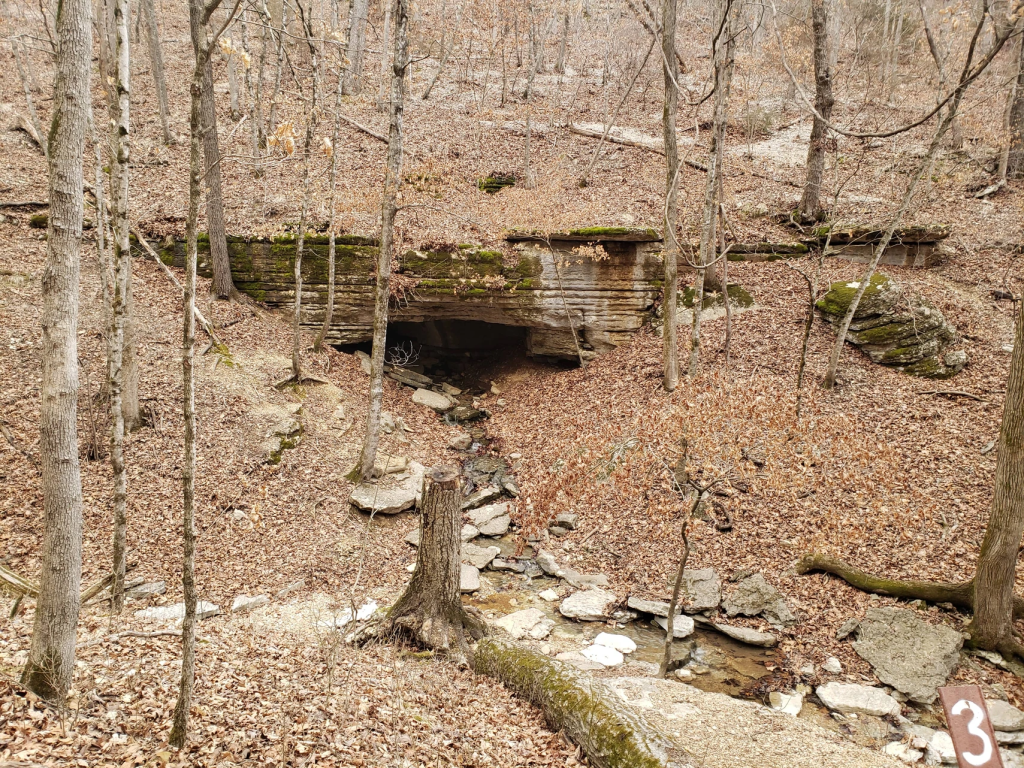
(389, 208)
(156, 59)
(810, 201)
(1015, 156)
(199, 17)
(670, 351)
(51, 660)
(329, 313)
(40, 136)
(356, 48)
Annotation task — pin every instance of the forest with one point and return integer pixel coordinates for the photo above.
(612, 383)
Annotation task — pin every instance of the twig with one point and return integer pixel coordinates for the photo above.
(25, 204)
(13, 443)
(131, 633)
(952, 393)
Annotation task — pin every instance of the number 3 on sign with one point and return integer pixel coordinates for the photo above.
(974, 729)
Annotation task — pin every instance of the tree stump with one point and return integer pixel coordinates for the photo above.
(430, 610)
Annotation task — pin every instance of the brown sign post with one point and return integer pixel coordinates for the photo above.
(970, 728)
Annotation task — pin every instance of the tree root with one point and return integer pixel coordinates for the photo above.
(441, 633)
(960, 594)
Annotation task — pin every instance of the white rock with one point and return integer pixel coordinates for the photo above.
(603, 655)
(684, 674)
(1004, 717)
(469, 532)
(832, 665)
(682, 626)
(747, 635)
(851, 698)
(436, 400)
(939, 749)
(578, 660)
(548, 595)
(903, 751)
(469, 579)
(244, 603)
(386, 464)
(1010, 737)
(176, 612)
(497, 526)
(519, 623)
(547, 563)
(150, 588)
(392, 494)
(541, 629)
(620, 643)
(486, 513)
(1011, 759)
(479, 557)
(460, 442)
(787, 703)
(588, 605)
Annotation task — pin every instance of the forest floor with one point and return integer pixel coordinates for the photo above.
(899, 483)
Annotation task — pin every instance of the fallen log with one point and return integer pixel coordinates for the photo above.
(611, 733)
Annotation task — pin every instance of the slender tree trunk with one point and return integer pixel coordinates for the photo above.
(810, 201)
(51, 660)
(723, 64)
(382, 95)
(118, 108)
(329, 314)
(673, 604)
(356, 48)
(179, 728)
(29, 102)
(156, 59)
(992, 626)
(1015, 157)
(389, 207)
(222, 286)
(236, 113)
(563, 43)
(272, 122)
(257, 128)
(670, 346)
(446, 51)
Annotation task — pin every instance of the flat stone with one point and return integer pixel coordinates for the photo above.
(557, 531)
(754, 596)
(497, 526)
(341, 620)
(439, 402)
(176, 612)
(578, 660)
(510, 486)
(603, 655)
(480, 496)
(848, 628)
(244, 603)
(386, 464)
(1011, 758)
(747, 635)
(483, 515)
(147, 589)
(902, 751)
(469, 532)
(787, 703)
(911, 655)
(653, 607)
(547, 563)
(461, 442)
(541, 629)
(851, 698)
(499, 564)
(832, 665)
(407, 377)
(463, 413)
(1010, 737)
(295, 586)
(682, 625)
(413, 537)
(567, 520)
(469, 578)
(449, 390)
(583, 580)
(519, 623)
(548, 595)
(391, 494)
(702, 590)
(588, 605)
(479, 557)
(940, 750)
(620, 643)
(364, 361)
(1004, 717)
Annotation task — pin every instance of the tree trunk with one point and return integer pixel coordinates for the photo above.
(810, 201)
(356, 47)
(329, 314)
(563, 43)
(670, 346)
(222, 286)
(236, 113)
(992, 627)
(51, 661)
(430, 609)
(382, 94)
(389, 207)
(118, 109)
(1015, 157)
(156, 59)
(29, 103)
(179, 727)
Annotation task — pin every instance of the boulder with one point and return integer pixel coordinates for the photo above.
(176, 612)
(753, 596)
(682, 626)
(469, 578)
(588, 605)
(386, 464)
(479, 557)
(483, 515)
(244, 603)
(603, 655)
(911, 655)
(391, 494)
(547, 563)
(895, 328)
(620, 643)
(1004, 717)
(519, 623)
(787, 703)
(851, 698)
(702, 590)
(436, 400)
(747, 635)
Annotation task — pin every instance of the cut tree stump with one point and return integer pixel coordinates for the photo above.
(610, 732)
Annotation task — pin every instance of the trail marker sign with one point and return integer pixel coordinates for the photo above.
(974, 740)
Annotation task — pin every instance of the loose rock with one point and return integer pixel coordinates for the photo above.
(519, 623)
(832, 665)
(1004, 717)
(787, 703)
(754, 596)
(578, 660)
(479, 557)
(244, 603)
(460, 442)
(392, 494)
(548, 595)
(603, 655)
(469, 578)
(547, 563)
(588, 605)
(851, 698)
(567, 520)
(682, 626)
(431, 399)
(848, 628)
(702, 590)
(176, 612)
(498, 564)
(748, 636)
(940, 750)
(147, 589)
(481, 516)
(480, 496)
(620, 643)
(541, 629)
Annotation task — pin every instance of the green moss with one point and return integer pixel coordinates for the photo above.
(840, 295)
(255, 290)
(38, 220)
(599, 232)
(738, 297)
(526, 284)
(203, 237)
(486, 257)
(882, 334)
(930, 368)
(495, 183)
(166, 256)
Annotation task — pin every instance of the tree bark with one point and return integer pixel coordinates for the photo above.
(356, 48)
(1015, 157)
(810, 201)
(670, 346)
(385, 36)
(329, 314)
(222, 286)
(156, 59)
(992, 627)
(563, 43)
(430, 609)
(51, 661)
(389, 207)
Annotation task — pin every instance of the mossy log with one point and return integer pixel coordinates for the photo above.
(960, 594)
(610, 732)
